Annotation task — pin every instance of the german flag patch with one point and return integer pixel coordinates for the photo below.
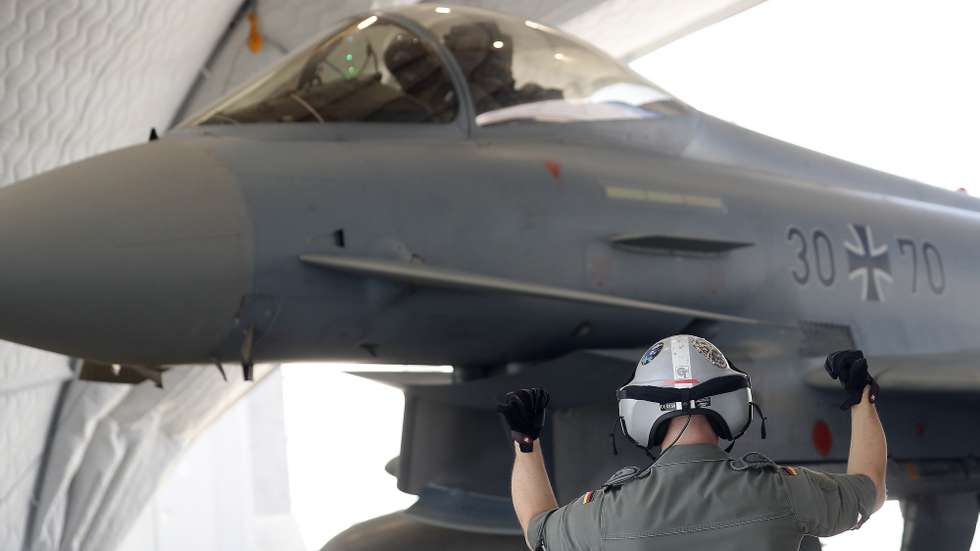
(587, 498)
(789, 470)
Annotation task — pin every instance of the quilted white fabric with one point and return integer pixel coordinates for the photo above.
(77, 78)
(30, 381)
(80, 77)
(113, 445)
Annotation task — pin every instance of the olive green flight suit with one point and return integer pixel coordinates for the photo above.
(697, 497)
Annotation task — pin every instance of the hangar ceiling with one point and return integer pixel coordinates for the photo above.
(79, 78)
(626, 29)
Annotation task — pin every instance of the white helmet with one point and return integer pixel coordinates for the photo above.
(684, 375)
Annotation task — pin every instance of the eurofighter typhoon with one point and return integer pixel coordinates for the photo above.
(435, 185)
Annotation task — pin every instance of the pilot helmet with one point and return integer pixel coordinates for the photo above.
(410, 61)
(481, 48)
(679, 376)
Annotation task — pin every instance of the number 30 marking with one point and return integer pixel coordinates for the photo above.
(801, 254)
(823, 261)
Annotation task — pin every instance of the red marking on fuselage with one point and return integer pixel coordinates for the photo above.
(822, 439)
(553, 168)
(683, 382)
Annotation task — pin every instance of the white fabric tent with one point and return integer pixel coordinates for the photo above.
(112, 444)
(77, 79)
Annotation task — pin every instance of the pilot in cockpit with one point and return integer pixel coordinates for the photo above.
(417, 89)
(419, 72)
(486, 54)
(344, 79)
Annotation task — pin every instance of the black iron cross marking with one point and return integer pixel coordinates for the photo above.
(869, 262)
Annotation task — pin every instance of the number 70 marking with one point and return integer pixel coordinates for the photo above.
(935, 274)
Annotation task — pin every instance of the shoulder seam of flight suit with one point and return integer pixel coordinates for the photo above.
(655, 465)
(705, 527)
(539, 540)
(600, 503)
(784, 484)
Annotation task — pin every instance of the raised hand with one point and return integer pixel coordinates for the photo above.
(851, 369)
(524, 411)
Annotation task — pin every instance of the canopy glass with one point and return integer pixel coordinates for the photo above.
(376, 70)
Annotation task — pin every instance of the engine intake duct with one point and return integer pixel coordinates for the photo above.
(399, 531)
(456, 453)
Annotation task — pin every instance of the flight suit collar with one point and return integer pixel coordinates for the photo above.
(690, 453)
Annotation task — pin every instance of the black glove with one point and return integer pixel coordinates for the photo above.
(851, 369)
(524, 412)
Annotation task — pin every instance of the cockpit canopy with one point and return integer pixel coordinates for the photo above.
(377, 69)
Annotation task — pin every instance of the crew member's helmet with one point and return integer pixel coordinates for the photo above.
(683, 375)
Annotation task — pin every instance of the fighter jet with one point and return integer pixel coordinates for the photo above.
(445, 185)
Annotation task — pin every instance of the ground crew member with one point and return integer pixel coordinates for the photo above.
(684, 396)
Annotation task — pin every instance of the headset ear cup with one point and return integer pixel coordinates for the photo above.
(652, 438)
(658, 434)
(626, 433)
(718, 424)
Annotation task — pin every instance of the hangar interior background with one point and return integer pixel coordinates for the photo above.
(78, 78)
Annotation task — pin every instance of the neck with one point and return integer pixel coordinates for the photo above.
(698, 431)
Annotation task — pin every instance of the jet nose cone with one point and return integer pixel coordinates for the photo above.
(137, 256)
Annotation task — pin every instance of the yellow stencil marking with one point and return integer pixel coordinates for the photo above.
(667, 198)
